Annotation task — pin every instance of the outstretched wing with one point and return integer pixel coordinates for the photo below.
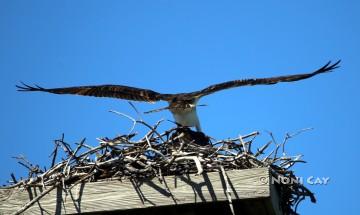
(138, 94)
(111, 91)
(261, 81)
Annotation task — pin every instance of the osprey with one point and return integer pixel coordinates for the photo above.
(181, 105)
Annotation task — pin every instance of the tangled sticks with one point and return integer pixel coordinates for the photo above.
(176, 151)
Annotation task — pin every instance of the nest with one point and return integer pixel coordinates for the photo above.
(176, 151)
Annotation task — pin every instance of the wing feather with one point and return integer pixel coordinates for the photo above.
(111, 91)
(262, 81)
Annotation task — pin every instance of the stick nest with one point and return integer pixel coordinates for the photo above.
(176, 151)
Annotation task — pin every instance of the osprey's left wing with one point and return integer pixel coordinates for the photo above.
(111, 91)
(262, 81)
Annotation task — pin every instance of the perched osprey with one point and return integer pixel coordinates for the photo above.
(181, 105)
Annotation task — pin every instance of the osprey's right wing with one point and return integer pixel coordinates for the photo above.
(111, 91)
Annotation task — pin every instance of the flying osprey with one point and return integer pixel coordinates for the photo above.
(181, 105)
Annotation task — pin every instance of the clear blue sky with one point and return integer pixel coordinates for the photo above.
(179, 46)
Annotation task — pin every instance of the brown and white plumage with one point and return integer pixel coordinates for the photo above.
(181, 105)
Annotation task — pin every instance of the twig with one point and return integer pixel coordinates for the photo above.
(127, 116)
(228, 191)
(36, 199)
